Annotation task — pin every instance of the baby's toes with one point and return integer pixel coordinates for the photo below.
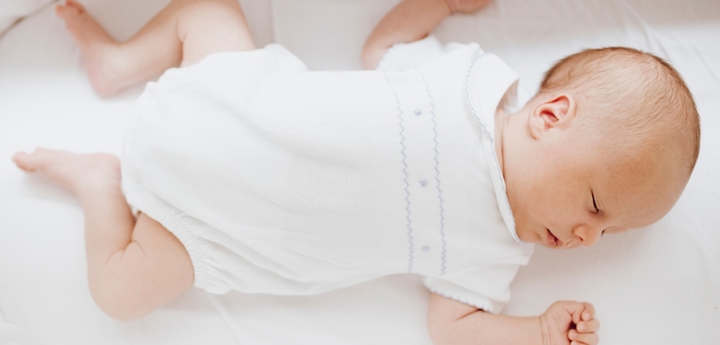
(25, 161)
(66, 11)
(76, 5)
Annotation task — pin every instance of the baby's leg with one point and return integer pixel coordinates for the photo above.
(183, 33)
(134, 267)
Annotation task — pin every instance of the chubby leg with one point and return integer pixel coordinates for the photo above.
(134, 267)
(182, 33)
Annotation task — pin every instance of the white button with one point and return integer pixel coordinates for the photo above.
(425, 249)
(423, 182)
(418, 112)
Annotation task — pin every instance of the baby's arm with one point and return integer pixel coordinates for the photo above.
(452, 322)
(410, 21)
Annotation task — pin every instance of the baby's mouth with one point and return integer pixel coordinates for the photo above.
(550, 240)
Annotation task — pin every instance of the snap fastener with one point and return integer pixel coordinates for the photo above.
(418, 112)
(423, 182)
(425, 249)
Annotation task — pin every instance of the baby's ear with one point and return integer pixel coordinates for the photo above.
(552, 112)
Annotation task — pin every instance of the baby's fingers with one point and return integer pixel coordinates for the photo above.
(591, 326)
(582, 338)
(583, 312)
(589, 312)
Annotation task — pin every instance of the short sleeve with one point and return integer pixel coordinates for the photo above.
(484, 286)
(404, 56)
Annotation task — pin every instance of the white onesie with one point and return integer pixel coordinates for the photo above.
(283, 181)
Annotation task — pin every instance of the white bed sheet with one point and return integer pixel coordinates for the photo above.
(659, 285)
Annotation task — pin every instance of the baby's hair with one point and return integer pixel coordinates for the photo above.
(631, 94)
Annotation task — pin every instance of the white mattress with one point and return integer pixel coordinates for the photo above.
(659, 285)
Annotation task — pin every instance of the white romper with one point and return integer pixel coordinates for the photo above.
(283, 181)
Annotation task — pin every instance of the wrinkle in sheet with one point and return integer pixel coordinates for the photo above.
(708, 66)
(656, 47)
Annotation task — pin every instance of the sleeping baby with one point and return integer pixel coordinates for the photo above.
(242, 170)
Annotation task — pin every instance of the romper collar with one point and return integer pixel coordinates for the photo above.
(488, 80)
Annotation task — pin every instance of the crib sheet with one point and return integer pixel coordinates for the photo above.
(659, 285)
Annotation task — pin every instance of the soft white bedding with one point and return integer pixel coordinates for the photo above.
(659, 285)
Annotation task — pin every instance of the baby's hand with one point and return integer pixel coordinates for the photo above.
(571, 323)
(466, 6)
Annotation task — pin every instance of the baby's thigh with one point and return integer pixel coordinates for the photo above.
(152, 270)
(212, 26)
(164, 257)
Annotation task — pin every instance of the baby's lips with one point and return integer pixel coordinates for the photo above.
(550, 239)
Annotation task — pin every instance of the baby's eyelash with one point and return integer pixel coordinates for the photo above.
(594, 204)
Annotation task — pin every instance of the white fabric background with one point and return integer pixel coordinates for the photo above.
(659, 285)
(13, 10)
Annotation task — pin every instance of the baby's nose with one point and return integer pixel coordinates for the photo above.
(588, 236)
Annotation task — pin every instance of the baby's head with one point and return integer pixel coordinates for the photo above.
(608, 144)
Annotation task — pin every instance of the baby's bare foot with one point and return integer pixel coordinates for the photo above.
(79, 173)
(96, 47)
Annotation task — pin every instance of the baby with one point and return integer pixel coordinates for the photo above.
(252, 174)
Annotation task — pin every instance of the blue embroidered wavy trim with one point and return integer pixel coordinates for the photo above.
(437, 171)
(405, 166)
